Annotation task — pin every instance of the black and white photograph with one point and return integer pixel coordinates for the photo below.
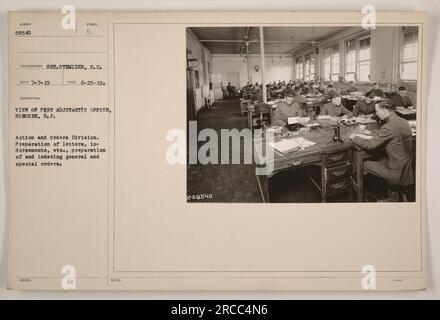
(302, 114)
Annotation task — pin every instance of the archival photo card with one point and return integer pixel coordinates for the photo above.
(302, 114)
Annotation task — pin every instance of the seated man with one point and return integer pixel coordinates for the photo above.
(401, 99)
(258, 94)
(365, 106)
(352, 87)
(349, 88)
(330, 88)
(284, 110)
(391, 92)
(298, 97)
(376, 91)
(335, 108)
(396, 138)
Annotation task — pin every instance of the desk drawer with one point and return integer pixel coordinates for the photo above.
(337, 186)
(338, 172)
(333, 159)
(297, 162)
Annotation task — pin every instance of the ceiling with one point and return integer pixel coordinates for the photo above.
(278, 40)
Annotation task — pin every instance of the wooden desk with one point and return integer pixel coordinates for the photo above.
(341, 165)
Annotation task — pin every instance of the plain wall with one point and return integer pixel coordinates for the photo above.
(278, 67)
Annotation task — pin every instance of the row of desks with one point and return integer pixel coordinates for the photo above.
(340, 163)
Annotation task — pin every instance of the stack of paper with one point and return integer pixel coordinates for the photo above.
(364, 120)
(304, 143)
(311, 125)
(292, 120)
(364, 136)
(290, 145)
(285, 146)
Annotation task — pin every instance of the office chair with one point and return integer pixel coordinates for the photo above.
(406, 187)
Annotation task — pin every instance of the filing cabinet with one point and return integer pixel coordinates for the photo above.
(334, 175)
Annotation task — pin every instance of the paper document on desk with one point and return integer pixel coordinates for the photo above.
(285, 146)
(363, 120)
(289, 145)
(293, 120)
(304, 143)
(364, 136)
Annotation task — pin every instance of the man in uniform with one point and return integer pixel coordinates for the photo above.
(284, 110)
(298, 97)
(395, 136)
(376, 91)
(401, 99)
(365, 106)
(335, 107)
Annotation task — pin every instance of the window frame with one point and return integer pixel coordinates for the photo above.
(332, 62)
(299, 61)
(357, 39)
(355, 73)
(409, 61)
(358, 62)
(308, 67)
(324, 63)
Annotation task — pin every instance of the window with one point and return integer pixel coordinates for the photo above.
(299, 68)
(327, 65)
(408, 63)
(197, 78)
(204, 70)
(357, 59)
(312, 67)
(335, 63)
(309, 72)
(350, 60)
(331, 63)
(307, 68)
(364, 59)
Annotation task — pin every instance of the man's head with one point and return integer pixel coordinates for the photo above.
(384, 109)
(289, 99)
(369, 97)
(403, 91)
(376, 85)
(393, 88)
